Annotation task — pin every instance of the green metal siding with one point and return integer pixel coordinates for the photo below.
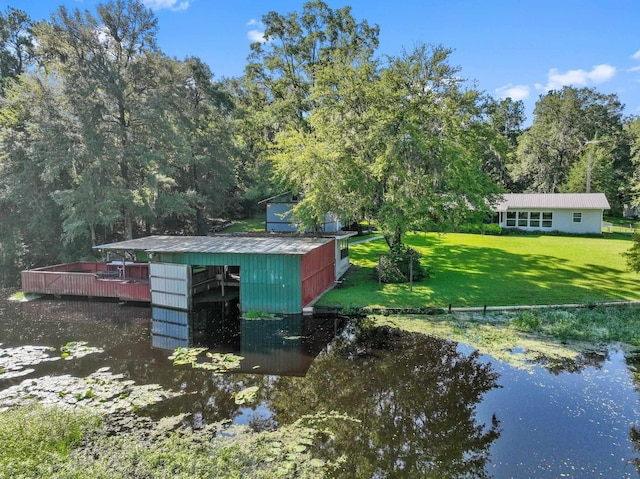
(268, 282)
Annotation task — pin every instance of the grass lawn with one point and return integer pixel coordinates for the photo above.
(256, 223)
(477, 270)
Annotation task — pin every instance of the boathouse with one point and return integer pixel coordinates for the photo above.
(274, 274)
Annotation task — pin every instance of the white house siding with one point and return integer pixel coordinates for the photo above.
(562, 221)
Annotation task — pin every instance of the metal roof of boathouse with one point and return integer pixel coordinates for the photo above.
(285, 245)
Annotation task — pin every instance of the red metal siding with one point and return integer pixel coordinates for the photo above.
(80, 279)
(317, 272)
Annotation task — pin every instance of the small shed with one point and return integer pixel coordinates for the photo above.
(274, 274)
(280, 219)
(580, 213)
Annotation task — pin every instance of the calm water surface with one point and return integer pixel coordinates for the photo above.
(425, 407)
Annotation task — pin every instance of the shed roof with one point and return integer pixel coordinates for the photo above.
(219, 244)
(583, 201)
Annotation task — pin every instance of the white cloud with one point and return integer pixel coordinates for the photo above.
(602, 73)
(515, 92)
(634, 69)
(256, 36)
(253, 21)
(636, 55)
(557, 79)
(174, 5)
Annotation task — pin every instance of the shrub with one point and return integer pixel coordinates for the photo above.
(395, 266)
(480, 228)
(633, 254)
(37, 439)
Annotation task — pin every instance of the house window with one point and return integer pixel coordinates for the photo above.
(534, 219)
(511, 218)
(577, 217)
(344, 248)
(523, 218)
(547, 219)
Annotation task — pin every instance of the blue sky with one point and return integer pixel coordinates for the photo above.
(516, 48)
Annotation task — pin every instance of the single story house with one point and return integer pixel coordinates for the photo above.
(579, 213)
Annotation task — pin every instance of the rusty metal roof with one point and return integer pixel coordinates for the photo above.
(219, 244)
(573, 201)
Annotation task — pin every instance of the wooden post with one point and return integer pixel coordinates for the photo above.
(410, 273)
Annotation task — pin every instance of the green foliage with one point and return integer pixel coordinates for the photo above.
(576, 144)
(16, 45)
(218, 362)
(379, 145)
(527, 321)
(599, 323)
(396, 266)
(49, 442)
(36, 440)
(632, 255)
(480, 228)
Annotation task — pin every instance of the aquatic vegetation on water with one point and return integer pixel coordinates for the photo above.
(218, 362)
(60, 443)
(77, 349)
(512, 337)
(19, 361)
(246, 396)
(24, 297)
(101, 391)
(260, 315)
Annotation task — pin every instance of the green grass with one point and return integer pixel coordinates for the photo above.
(257, 223)
(477, 270)
(35, 439)
(54, 443)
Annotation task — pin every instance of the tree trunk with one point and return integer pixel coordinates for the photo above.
(395, 238)
(128, 226)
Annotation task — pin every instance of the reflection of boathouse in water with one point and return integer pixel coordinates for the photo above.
(273, 274)
(283, 345)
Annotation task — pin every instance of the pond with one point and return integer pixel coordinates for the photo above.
(417, 405)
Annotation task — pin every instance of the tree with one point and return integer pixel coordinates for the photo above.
(114, 78)
(110, 138)
(205, 167)
(632, 128)
(633, 254)
(296, 45)
(401, 144)
(506, 118)
(28, 213)
(16, 45)
(275, 95)
(567, 124)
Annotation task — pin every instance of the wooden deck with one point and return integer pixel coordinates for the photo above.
(126, 282)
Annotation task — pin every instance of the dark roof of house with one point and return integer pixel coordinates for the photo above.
(582, 201)
(219, 244)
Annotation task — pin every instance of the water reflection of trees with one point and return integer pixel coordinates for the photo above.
(584, 360)
(415, 396)
(633, 363)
